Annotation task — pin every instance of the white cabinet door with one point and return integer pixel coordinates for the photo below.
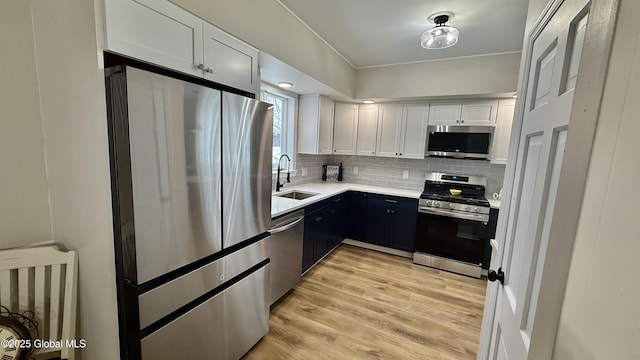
(315, 125)
(502, 134)
(413, 136)
(367, 130)
(229, 61)
(345, 129)
(325, 127)
(479, 113)
(445, 113)
(389, 126)
(155, 31)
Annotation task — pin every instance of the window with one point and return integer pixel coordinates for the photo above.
(283, 123)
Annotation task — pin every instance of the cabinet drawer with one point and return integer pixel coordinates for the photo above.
(393, 201)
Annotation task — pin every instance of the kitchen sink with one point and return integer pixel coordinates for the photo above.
(297, 195)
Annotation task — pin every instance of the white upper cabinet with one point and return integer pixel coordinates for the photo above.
(367, 130)
(229, 61)
(315, 124)
(476, 113)
(413, 137)
(345, 129)
(502, 134)
(445, 113)
(389, 127)
(470, 113)
(161, 33)
(402, 131)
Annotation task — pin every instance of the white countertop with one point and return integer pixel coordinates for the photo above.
(494, 203)
(281, 206)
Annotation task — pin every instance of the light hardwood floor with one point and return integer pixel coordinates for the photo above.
(363, 304)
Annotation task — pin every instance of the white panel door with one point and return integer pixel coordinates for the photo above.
(539, 160)
(228, 61)
(345, 129)
(445, 113)
(155, 31)
(325, 126)
(413, 135)
(389, 126)
(367, 130)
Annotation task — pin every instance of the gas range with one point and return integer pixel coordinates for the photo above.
(470, 204)
(451, 230)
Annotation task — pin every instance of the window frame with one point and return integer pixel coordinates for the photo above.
(289, 121)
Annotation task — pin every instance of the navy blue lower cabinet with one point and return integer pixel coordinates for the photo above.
(391, 221)
(491, 234)
(324, 228)
(338, 208)
(357, 216)
(402, 230)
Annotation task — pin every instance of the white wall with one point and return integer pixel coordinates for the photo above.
(24, 203)
(54, 157)
(478, 75)
(268, 26)
(601, 310)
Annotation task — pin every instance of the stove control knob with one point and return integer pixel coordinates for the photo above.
(428, 203)
(436, 204)
(467, 208)
(451, 206)
(476, 209)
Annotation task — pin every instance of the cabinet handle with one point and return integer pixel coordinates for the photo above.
(462, 121)
(387, 211)
(400, 154)
(200, 67)
(393, 211)
(319, 218)
(333, 211)
(373, 152)
(209, 70)
(391, 201)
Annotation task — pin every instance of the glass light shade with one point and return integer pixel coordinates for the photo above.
(440, 37)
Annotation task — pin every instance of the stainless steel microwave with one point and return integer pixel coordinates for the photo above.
(473, 142)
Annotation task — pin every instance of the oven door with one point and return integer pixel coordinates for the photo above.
(462, 240)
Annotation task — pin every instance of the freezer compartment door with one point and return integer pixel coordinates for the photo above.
(224, 327)
(247, 140)
(175, 145)
(167, 298)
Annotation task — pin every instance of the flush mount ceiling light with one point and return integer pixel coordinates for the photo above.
(440, 36)
(368, 101)
(285, 85)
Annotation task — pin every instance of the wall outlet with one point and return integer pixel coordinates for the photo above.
(405, 174)
(304, 171)
(355, 169)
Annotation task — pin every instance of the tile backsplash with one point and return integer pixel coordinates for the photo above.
(389, 171)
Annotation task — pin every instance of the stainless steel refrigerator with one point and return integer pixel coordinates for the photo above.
(191, 183)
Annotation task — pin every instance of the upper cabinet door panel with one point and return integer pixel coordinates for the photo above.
(479, 113)
(155, 31)
(389, 126)
(345, 129)
(229, 61)
(325, 128)
(445, 114)
(414, 131)
(367, 130)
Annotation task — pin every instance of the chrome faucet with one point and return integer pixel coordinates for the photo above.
(278, 185)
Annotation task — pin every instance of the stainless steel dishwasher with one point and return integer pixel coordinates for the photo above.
(287, 232)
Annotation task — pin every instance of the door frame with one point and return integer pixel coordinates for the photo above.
(584, 118)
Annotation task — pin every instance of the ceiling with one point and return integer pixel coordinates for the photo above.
(381, 32)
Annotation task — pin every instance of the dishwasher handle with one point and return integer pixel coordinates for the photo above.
(286, 226)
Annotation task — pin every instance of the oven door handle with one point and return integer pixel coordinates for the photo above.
(465, 216)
